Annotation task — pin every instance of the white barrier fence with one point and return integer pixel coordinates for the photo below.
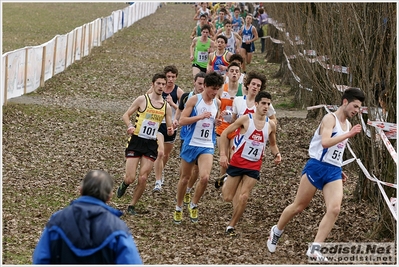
(26, 69)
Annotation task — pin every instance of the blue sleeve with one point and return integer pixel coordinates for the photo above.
(127, 252)
(41, 254)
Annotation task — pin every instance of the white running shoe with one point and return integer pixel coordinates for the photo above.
(272, 240)
(315, 255)
(157, 188)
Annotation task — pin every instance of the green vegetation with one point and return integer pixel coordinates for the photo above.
(32, 24)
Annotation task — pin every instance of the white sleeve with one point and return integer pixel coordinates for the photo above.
(235, 103)
(271, 111)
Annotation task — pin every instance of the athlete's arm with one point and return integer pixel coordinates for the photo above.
(212, 47)
(273, 142)
(234, 113)
(168, 119)
(132, 109)
(194, 33)
(196, 17)
(241, 122)
(238, 41)
(209, 67)
(255, 33)
(273, 118)
(193, 43)
(185, 118)
(326, 128)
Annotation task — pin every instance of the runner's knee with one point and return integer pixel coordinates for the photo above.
(334, 210)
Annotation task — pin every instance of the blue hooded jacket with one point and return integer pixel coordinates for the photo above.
(88, 231)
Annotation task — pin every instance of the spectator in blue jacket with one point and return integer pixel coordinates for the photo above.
(88, 231)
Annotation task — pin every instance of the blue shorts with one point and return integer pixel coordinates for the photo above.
(321, 173)
(237, 171)
(191, 153)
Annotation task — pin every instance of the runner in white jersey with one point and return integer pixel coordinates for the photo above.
(200, 115)
(203, 9)
(198, 89)
(233, 39)
(246, 104)
(323, 171)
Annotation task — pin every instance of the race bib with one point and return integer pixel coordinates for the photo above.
(252, 150)
(149, 129)
(202, 56)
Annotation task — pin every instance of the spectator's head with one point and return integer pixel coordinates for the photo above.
(98, 184)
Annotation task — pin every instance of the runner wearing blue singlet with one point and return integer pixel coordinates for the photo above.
(249, 35)
(237, 20)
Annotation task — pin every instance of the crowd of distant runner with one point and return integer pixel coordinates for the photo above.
(228, 111)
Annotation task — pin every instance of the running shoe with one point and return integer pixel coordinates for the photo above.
(131, 210)
(315, 254)
(177, 217)
(193, 214)
(121, 190)
(157, 188)
(187, 198)
(272, 240)
(220, 181)
(231, 232)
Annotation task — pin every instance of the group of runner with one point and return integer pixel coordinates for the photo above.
(229, 112)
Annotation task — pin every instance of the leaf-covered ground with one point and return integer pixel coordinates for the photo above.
(52, 137)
